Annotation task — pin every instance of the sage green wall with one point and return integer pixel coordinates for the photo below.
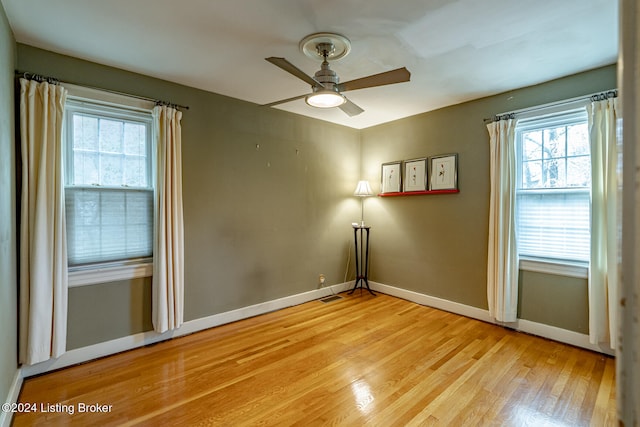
(91, 319)
(437, 244)
(8, 268)
(554, 300)
(267, 199)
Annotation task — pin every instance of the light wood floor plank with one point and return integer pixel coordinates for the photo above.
(360, 360)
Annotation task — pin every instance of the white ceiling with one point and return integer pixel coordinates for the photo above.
(456, 50)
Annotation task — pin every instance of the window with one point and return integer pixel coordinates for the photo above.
(108, 183)
(553, 190)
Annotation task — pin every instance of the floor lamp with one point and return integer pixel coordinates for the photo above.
(362, 243)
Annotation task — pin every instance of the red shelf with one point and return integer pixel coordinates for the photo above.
(418, 193)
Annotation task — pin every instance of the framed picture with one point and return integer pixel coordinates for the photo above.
(444, 172)
(415, 175)
(391, 181)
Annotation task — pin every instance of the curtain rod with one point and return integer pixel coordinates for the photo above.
(52, 80)
(599, 96)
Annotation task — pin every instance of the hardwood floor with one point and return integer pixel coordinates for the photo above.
(361, 360)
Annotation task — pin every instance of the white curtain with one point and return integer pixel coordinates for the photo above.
(603, 266)
(502, 266)
(43, 251)
(168, 249)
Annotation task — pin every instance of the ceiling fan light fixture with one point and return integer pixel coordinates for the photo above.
(325, 83)
(325, 99)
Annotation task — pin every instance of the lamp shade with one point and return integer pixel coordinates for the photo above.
(363, 189)
(325, 99)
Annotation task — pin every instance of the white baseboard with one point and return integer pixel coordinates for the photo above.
(435, 302)
(561, 335)
(84, 354)
(539, 329)
(118, 345)
(257, 309)
(12, 397)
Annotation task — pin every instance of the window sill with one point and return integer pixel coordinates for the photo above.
(109, 274)
(567, 269)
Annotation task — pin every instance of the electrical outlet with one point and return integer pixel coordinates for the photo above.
(321, 279)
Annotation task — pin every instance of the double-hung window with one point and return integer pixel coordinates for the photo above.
(108, 184)
(553, 187)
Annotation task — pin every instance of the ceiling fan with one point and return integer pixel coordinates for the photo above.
(326, 89)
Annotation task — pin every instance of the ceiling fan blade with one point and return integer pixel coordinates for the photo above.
(292, 69)
(350, 108)
(389, 77)
(283, 101)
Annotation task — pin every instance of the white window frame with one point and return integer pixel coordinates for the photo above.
(124, 270)
(567, 268)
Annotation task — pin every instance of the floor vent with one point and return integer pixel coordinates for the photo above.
(331, 298)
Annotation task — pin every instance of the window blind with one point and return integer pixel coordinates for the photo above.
(554, 224)
(108, 224)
